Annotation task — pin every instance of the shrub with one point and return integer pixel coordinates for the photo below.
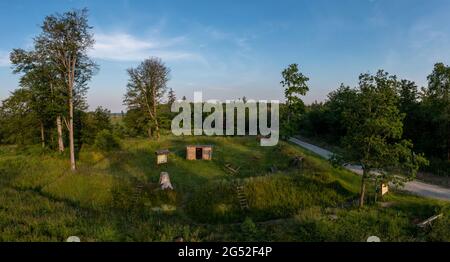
(106, 141)
(439, 230)
(249, 229)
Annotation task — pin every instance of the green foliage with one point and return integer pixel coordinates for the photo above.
(249, 229)
(326, 120)
(136, 123)
(295, 84)
(438, 231)
(424, 115)
(145, 89)
(374, 130)
(94, 122)
(436, 102)
(294, 81)
(18, 122)
(106, 141)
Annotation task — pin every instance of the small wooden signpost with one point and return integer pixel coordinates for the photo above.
(162, 156)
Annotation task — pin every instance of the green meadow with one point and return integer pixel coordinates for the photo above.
(115, 196)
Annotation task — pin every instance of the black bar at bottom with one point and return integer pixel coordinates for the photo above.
(223, 251)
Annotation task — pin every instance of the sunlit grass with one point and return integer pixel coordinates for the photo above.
(41, 199)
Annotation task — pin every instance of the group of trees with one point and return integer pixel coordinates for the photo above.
(53, 84)
(378, 123)
(422, 114)
(50, 105)
(381, 120)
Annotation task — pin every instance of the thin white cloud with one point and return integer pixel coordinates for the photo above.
(126, 47)
(240, 41)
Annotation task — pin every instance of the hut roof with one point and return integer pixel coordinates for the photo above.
(162, 152)
(199, 146)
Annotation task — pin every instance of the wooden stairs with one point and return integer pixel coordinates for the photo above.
(232, 170)
(241, 197)
(138, 190)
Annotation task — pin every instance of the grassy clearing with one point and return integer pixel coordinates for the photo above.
(40, 200)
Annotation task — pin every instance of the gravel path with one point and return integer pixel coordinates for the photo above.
(416, 187)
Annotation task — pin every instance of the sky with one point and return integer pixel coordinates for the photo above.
(233, 48)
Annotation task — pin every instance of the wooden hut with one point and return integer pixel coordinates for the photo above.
(195, 152)
(162, 156)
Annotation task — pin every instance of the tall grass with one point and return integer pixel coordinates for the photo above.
(115, 196)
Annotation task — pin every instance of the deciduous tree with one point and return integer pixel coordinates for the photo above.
(436, 100)
(295, 84)
(146, 87)
(65, 40)
(374, 132)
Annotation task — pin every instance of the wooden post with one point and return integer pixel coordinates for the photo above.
(384, 189)
(162, 156)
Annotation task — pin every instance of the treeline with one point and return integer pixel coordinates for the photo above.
(135, 123)
(50, 105)
(50, 108)
(21, 125)
(424, 113)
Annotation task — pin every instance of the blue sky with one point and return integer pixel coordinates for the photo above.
(230, 48)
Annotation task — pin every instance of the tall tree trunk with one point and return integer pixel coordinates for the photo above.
(377, 190)
(60, 134)
(155, 120)
(71, 131)
(363, 189)
(71, 135)
(288, 107)
(157, 128)
(42, 135)
(149, 132)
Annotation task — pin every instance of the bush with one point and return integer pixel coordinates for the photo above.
(119, 130)
(106, 141)
(439, 230)
(249, 230)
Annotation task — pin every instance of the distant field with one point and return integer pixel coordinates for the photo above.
(115, 197)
